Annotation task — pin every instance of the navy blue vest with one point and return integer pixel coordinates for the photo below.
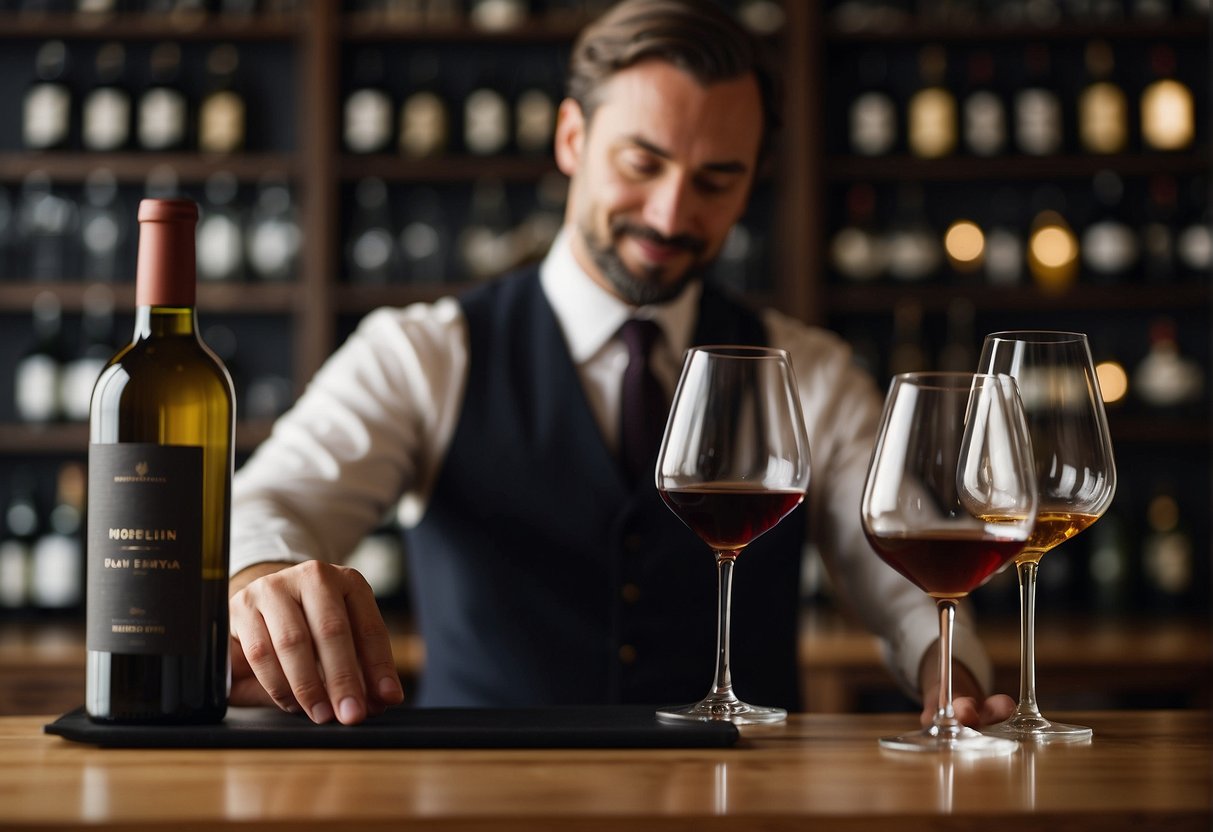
(540, 577)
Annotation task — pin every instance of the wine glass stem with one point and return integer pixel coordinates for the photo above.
(945, 716)
(723, 684)
(1027, 639)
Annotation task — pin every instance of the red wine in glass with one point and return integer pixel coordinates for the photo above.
(729, 516)
(946, 563)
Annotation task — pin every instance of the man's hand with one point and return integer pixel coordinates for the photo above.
(971, 706)
(309, 637)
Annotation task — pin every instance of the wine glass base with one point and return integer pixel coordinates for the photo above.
(1028, 728)
(723, 709)
(958, 741)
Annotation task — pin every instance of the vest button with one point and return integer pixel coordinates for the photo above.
(627, 654)
(630, 593)
(633, 543)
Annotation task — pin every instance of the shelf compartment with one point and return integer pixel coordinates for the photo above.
(135, 26)
(228, 298)
(445, 169)
(934, 297)
(964, 168)
(134, 167)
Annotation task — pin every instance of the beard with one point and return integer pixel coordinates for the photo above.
(648, 287)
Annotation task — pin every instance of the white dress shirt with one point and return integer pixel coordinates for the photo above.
(371, 431)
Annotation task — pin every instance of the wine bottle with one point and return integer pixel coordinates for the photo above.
(857, 250)
(1194, 241)
(932, 109)
(425, 237)
(1109, 245)
(47, 109)
(163, 110)
(984, 113)
(372, 255)
(485, 245)
(105, 114)
(1168, 120)
(18, 532)
(8, 234)
(912, 246)
(907, 353)
(1157, 231)
(872, 118)
(221, 115)
(497, 15)
(220, 231)
(368, 108)
(1038, 120)
(1166, 377)
(37, 374)
(1103, 110)
(160, 467)
(1004, 254)
(424, 121)
(57, 561)
(97, 345)
(534, 112)
(273, 237)
(1168, 556)
(47, 227)
(104, 229)
(486, 120)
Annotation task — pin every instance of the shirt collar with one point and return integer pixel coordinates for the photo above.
(590, 316)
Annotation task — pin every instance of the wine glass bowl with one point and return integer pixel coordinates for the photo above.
(1076, 479)
(950, 498)
(734, 461)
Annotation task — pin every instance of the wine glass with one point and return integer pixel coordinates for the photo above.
(1076, 478)
(950, 498)
(734, 461)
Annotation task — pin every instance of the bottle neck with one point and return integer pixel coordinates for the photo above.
(164, 321)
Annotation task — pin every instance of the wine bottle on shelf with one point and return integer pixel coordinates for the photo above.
(931, 112)
(1158, 232)
(1166, 378)
(538, 229)
(1109, 245)
(1168, 114)
(1168, 556)
(163, 110)
(105, 113)
(913, 248)
(57, 560)
(372, 257)
(1103, 109)
(160, 467)
(368, 107)
(273, 237)
(1152, 11)
(486, 120)
(858, 250)
(1111, 564)
(1194, 240)
(486, 246)
(47, 109)
(36, 376)
(221, 231)
(96, 346)
(498, 15)
(17, 535)
(1004, 253)
(984, 113)
(95, 12)
(872, 117)
(964, 243)
(764, 18)
(8, 234)
(424, 120)
(1053, 256)
(104, 228)
(1039, 130)
(48, 227)
(221, 115)
(425, 238)
(534, 111)
(733, 265)
(959, 353)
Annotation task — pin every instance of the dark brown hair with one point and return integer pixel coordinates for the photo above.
(697, 36)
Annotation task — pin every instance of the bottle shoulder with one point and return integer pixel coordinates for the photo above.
(177, 363)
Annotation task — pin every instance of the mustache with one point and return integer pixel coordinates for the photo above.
(686, 242)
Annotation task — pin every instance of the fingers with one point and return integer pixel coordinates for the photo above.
(966, 711)
(312, 637)
(997, 708)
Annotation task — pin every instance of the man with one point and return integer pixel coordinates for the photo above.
(545, 572)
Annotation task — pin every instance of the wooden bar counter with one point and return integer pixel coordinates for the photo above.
(1147, 770)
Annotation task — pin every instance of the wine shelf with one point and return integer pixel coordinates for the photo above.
(227, 298)
(120, 26)
(933, 297)
(446, 169)
(957, 169)
(361, 27)
(1189, 28)
(72, 439)
(134, 167)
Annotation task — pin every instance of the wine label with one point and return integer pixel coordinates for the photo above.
(144, 549)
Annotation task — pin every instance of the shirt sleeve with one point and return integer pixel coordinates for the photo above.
(842, 412)
(373, 425)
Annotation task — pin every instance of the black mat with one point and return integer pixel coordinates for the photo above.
(570, 727)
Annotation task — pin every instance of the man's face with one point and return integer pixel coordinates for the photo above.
(658, 176)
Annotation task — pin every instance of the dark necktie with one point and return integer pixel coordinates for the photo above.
(642, 406)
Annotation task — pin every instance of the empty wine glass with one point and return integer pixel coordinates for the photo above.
(1076, 478)
(734, 461)
(949, 499)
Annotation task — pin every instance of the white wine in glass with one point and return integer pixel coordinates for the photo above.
(1076, 477)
